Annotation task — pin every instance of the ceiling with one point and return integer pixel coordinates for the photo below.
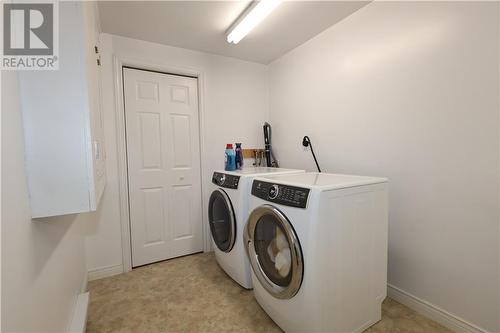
(202, 25)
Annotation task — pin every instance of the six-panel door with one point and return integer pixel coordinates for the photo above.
(162, 132)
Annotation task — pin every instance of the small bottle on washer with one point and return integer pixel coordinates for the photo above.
(239, 157)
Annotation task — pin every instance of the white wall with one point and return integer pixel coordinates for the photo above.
(235, 108)
(409, 91)
(43, 261)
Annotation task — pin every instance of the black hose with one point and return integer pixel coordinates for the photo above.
(306, 142)
(271, 159)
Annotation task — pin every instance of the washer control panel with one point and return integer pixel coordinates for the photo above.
(281, 194)
(225, 180)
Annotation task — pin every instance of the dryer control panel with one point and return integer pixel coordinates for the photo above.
(225, 180)
(281, 194)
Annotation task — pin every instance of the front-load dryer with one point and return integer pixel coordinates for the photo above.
(227, 215)
(317, 244)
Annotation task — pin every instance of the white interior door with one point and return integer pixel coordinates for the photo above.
(163, 152)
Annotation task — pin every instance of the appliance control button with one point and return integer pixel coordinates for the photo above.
(273, 192)
(222, 179)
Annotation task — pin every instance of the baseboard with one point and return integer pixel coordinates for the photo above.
(432, 311)
(85, 282)
(79, 320)
(102, 272)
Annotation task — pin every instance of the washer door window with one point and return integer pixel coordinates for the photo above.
(222, 220)
(274, 251)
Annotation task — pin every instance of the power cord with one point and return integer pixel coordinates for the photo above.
(306, 142)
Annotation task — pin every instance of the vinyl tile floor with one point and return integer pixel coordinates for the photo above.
(193, 294)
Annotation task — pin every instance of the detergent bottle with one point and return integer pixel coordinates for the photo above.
(230, 163)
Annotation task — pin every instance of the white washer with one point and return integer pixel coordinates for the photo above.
(317, 245)
(227, 215)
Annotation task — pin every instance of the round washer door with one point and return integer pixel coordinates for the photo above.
(274, 251)
(222, 220)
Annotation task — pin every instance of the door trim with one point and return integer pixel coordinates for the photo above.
(297, 260)
(118, 63)
(229, 205)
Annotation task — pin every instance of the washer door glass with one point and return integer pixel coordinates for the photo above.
(274, 251)
(222, 220)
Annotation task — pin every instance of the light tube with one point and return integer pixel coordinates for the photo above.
(251, 19)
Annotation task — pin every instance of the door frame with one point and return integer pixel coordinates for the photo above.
(118, 63)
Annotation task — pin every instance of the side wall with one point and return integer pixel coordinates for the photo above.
(409, 91)
(43, 260)
(235, 107)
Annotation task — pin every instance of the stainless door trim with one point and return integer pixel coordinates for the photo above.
(295, 252)
(232, 235)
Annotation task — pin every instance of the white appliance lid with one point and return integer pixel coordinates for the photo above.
(323, 181)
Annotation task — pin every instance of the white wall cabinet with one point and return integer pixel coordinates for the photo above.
(62, 119)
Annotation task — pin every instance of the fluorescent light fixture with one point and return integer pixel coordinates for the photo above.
(255, 15)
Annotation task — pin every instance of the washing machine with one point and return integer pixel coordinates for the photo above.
(317, 246)
(227, 214)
